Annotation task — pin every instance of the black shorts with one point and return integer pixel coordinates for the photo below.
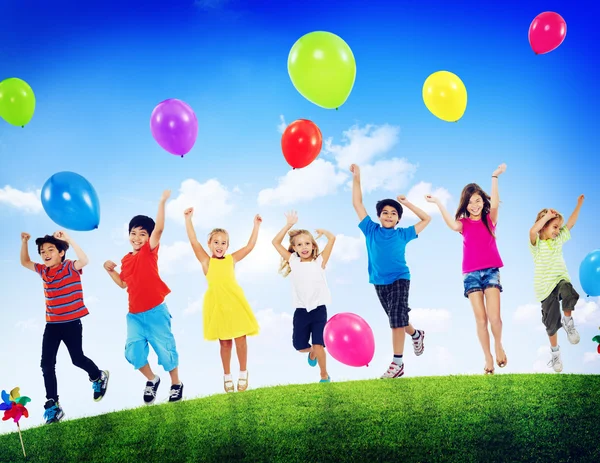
(394, 299)
(307, 323)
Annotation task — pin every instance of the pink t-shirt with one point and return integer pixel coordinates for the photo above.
(479, 246)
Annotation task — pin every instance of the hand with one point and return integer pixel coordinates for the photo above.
(61, 235)
(402, 199)
(25, 237)
(320, 232)
(291, 217)
(431, 199)
(355, 171)
(580, 200)
(551, 214)
(166, 194)
(500, 170)
(257, 220)
(188, 213)
(110, 266)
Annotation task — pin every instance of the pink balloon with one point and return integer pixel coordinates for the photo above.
(349, 339)
(174, 126)
(546, 32)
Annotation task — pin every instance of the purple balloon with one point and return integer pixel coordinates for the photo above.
(174, 126)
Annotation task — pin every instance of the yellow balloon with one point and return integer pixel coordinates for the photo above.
(445, 96)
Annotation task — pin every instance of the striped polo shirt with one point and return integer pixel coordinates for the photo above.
(63, 291)
(550, 266)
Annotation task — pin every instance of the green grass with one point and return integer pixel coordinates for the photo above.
(546, 418)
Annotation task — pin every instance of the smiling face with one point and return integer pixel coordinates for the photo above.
(475, 206)
(50, 255)
(304, 246)
(388, 217)
(138, 237)
(218, 244)
(552, 229)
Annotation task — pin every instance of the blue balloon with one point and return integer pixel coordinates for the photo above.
(589, 273)
(71, 201)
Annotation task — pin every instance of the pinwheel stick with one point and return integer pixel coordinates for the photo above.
(21, 437)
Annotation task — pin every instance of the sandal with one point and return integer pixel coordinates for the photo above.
(502, 363)
(488, 372)
(228, 385)
(242, 384)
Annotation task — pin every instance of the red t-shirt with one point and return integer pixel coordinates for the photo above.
(140, 272)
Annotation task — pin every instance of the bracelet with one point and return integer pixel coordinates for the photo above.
(494, 176)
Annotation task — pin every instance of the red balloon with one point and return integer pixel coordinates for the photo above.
(301, 143)
(546, 32)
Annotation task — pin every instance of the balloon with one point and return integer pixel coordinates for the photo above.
(71, 201)
(349, 339)
(301, 143)
(322, 68)
(17, 101)
(589, 273)
(174, 126)
(546, 32)
(445, 96)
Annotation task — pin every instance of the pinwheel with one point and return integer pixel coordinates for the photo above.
(13, 405)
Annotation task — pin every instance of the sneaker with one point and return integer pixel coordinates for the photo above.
(242, 384)
(312, 362)
(555, 362)
(176, 392)
(328, 380)
(394, 371)
(150, 391)
(100, 386)
(572, 333)
(228, 384)
(418, 344)
(54, 413)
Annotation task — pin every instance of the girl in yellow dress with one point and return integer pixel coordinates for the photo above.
(226, 312)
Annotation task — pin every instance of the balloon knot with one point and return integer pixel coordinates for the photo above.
(182, 156)
(22, 126)
(336, 109)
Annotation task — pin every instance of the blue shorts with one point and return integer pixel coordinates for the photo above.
(307, 323)
(154, 327)
(480, 280)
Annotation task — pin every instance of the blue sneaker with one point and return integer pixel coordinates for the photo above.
(53, 413)
(312, 362)
(328, 380)
(100, 386)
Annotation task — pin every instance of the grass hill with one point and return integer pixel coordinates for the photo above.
(503, 418)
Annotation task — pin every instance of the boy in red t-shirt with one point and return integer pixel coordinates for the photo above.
(148, 320)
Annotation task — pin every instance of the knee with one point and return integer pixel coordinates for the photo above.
(47, 366)
(481, 322)
(136, 353)
(226, 344)
(240, 342)
(496, 321)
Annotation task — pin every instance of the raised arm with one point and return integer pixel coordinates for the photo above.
(537, 227)
(291, 220)
(495, 197)
(357, 201)
(160, 220)
(420, 213)
(452, 223)
(199, 251)
(82, 259)
(110, 266)
(328, 247)
(241, 253)
(25, 260)
(573, 219)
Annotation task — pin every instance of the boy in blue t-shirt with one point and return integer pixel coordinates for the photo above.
(388, 271)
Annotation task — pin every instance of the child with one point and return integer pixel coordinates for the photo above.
(226, 312)
(64, 310)
(551, 278)
(148, 320)
(310, 293)
(388, 271)
(476, 219)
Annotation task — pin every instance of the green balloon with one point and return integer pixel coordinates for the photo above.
(322, 68)
(17, 101)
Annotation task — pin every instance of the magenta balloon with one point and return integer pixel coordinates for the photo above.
(174, 126)
(349, 339)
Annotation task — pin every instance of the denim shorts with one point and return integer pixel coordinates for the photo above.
(480, 280)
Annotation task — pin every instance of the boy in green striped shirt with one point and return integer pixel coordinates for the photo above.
(551, 279)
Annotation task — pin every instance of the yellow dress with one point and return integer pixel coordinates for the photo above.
(226, 312)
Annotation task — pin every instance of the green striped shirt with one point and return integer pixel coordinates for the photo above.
(550, 266)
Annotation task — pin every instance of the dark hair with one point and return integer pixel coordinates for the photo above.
(59, 244)
(389, 202)
(142, 221)
(468, 191)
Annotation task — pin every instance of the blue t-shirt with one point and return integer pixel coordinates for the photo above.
(386, 251)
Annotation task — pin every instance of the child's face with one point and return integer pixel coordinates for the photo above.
(50, 255)
(303, 246)
(551, 230)
(138, 237)
(475, 206)
(388, 217)
(218, 244)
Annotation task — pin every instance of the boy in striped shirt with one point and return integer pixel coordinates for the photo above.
(551, 278)
(64, 310)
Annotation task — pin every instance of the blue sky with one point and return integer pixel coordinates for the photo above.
(98, 71)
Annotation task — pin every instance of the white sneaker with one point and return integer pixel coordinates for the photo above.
(394, 371)
(419, 343)
(556, 363)
(572, 333)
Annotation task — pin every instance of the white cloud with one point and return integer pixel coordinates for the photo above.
(361, 145)
(540, 365)
(30, 325)
(591, 357)
(194, 306)
(120, 235)
(431, 320)
(264, 258)
(527, 314)
(347, 248)
(389, 174)
(210, 201)
(314, 181)
(282, 124)
(587, 312)
(28, 201)
(177, 257)
(416, 195)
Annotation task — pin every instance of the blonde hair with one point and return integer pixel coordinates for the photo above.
(543, 212)
(218, 230)
(285, 268)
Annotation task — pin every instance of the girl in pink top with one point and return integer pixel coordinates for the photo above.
(476, 219)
